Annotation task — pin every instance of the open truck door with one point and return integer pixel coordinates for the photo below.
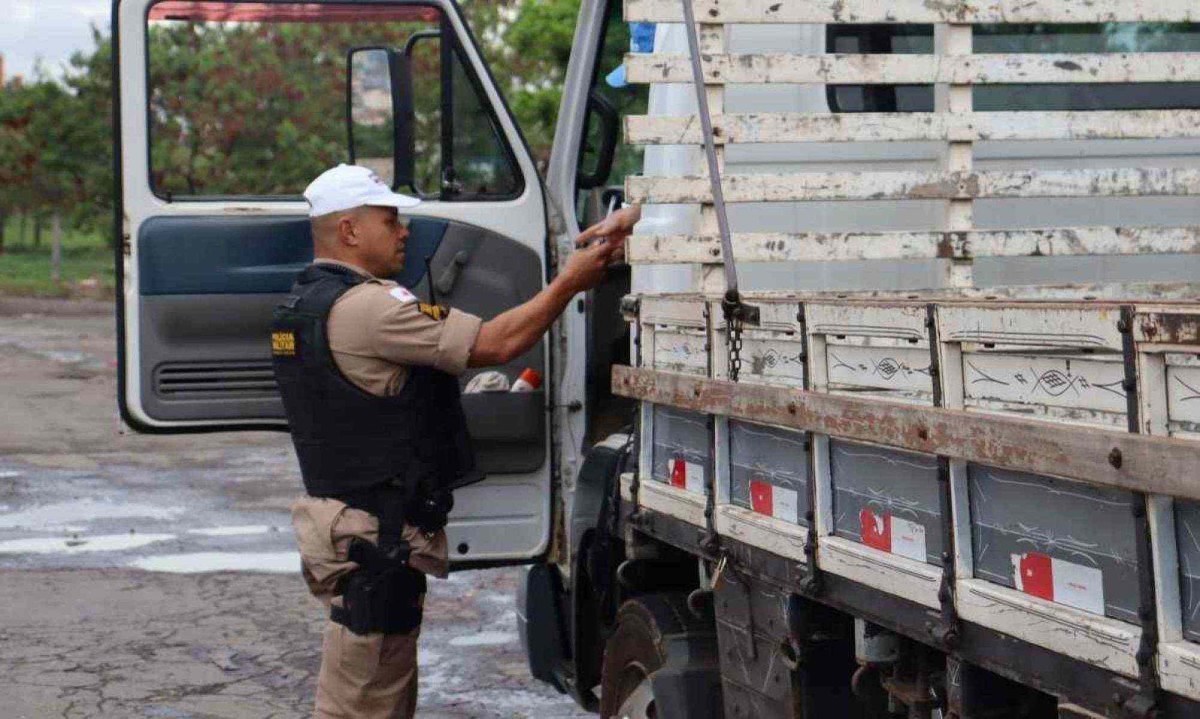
(224, 112)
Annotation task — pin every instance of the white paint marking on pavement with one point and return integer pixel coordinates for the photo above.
(276, 562)
(77, 545)
(54, 516)
(483, 639)
(231, 531)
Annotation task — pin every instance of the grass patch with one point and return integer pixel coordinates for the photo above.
(87, 262)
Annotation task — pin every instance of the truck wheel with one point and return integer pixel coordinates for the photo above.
(660, 662)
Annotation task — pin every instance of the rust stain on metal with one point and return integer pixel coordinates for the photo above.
(1177, 329)
(1149, 463)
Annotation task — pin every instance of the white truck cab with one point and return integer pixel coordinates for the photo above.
(214, 229)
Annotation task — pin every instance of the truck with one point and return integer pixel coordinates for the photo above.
(893, 412)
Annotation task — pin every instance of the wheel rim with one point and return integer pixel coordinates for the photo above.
(639, 704)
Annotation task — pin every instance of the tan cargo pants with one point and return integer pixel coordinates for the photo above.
(374, 675)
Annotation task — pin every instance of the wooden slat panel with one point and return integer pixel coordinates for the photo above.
(1183, 394)
(1147, 464)
(915, 126)
(677, 351)
(771, 357)
(981, 69)
(673, 310)
(1083, 327)
(905, 321)
(916, 11)
(839, 246)
(895, 369)
(1108, 182)
(1087, 385)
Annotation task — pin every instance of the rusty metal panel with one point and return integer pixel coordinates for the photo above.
(1060, 541)
(840, 246)
(916, 185)
(979, 69)
(1175, 327)
(916, 11)
(916, 127)
(1096, 456)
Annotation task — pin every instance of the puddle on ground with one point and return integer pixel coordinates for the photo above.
(71, 514)
(77, 545)
(281, 562)
(232, 531)
(483, 639)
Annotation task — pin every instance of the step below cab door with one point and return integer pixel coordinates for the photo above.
(224, 112)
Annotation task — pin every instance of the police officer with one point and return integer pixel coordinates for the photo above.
(368, 375)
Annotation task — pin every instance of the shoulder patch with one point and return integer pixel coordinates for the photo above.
(402, 294)
(283, 343)
(437, 312)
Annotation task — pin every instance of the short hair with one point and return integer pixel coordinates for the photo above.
(324, 226)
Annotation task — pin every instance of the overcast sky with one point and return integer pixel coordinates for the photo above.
(49, 29)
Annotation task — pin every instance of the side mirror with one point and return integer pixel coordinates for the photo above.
(379, 113)
(598, 149)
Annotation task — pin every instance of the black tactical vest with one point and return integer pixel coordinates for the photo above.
(347, 439)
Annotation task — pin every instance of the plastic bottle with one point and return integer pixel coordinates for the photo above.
(529, 381)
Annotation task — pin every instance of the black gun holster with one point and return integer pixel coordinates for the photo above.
(384, 594)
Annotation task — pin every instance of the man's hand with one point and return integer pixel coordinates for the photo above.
(616, 226)
(587, 266)
(512, 333)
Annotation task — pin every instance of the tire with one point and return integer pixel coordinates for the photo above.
(652, 632)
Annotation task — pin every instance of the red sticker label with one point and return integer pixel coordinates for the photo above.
(876, 530)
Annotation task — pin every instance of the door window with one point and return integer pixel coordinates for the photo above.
(248, 99)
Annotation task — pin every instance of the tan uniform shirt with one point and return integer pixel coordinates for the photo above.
(377, 330)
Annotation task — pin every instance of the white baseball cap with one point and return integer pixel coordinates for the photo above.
(348, 186)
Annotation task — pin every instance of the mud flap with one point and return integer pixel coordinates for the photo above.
(540, 624)
(689, 684)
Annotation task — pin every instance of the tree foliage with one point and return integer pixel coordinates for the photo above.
(259, 107)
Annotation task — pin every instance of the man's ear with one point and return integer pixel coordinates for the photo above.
(346, 231)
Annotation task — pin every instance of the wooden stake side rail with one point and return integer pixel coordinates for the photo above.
(978, 69)
(918, 185)
(1140, 463)
(838, 246)
(916, 11)
(741, 128)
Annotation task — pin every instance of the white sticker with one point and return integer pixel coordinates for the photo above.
(1059, 581)
(908, 539)
(1078, 586)
(785, 504)
(695, 478)
(402, 294)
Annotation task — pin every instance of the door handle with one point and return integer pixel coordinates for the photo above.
(445, 283)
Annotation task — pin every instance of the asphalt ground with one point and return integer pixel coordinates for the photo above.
(157, 576)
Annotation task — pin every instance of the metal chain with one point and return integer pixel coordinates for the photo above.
(734, 322)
